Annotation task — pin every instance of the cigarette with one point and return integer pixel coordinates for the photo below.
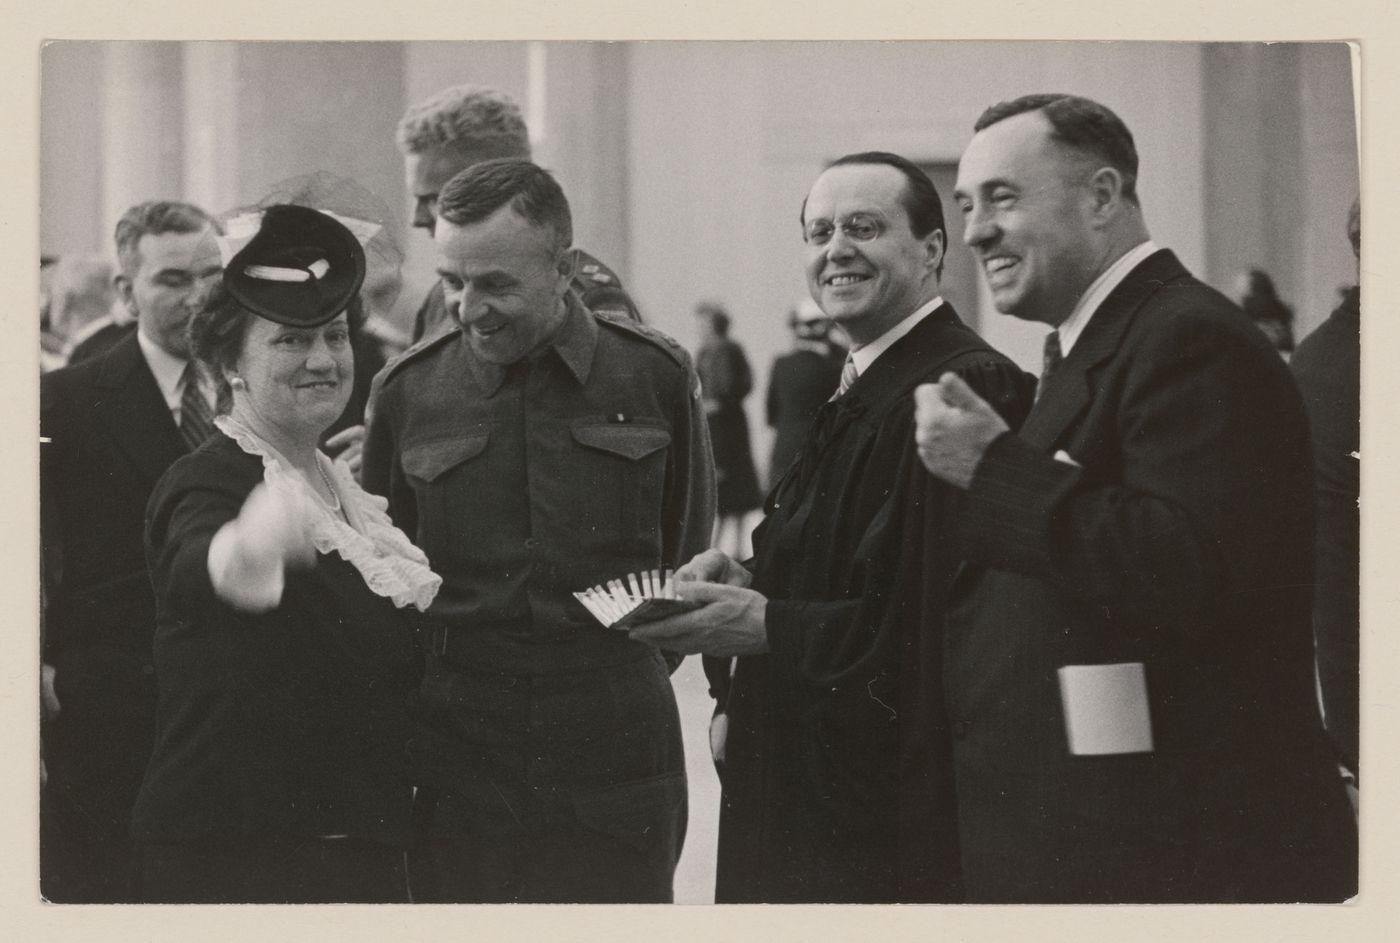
(611, 605)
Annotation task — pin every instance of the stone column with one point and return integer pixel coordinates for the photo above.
(142, 126)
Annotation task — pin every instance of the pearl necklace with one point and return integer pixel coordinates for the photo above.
(329, 487)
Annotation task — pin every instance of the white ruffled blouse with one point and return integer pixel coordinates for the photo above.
(389, 562)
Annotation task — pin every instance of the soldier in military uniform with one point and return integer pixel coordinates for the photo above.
(440, 137)
(449, 132)
(537, 449)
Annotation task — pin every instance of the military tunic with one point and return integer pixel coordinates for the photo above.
(553, 743)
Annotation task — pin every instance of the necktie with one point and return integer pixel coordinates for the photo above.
(196, 424)
(1053, 357)
(849, 375)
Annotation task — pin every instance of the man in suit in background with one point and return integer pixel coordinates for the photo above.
(1327, 367)
(110, 427)
(799, 382)
(1129, 660)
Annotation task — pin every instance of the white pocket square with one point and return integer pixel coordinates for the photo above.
(1063, 456)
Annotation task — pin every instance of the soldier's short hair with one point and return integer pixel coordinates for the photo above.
(529, 189)
(469, 117)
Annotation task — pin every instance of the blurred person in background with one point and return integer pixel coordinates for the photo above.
(1327, 367)
(83, 301)
(800, 382)
(286, 603)
(1259, 299)
(111, 427)
(725, 382)
(103, 334)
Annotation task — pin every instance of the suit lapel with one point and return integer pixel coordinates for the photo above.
(132, 410)
(1069, 392)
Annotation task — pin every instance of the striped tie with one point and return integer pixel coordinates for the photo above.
(196, 425)
(849, 375)
(1053, 356)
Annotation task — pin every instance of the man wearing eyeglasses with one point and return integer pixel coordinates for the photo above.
(835, 765)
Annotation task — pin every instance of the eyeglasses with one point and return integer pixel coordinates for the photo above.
(857, 227)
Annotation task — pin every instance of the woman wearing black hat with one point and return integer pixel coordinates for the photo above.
(284, 638)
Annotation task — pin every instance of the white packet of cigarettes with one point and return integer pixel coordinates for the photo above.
(634, 599)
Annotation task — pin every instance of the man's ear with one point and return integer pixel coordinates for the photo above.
(935, 245)
(123, 286)
(566, 267)
(1106, 192)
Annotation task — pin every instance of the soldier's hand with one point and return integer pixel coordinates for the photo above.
(713, 566)
(348, 446)
(953, 428)
(729, 622)
(719, 735)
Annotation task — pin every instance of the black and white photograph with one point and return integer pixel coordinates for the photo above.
(699, 472)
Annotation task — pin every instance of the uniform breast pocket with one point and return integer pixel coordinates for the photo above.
(432, 469)
(617, 484)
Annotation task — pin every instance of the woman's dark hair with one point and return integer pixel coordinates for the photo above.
(216, 333)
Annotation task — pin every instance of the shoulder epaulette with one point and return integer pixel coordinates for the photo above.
(657, 338)
(417, 352)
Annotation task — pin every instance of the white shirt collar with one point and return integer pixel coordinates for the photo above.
(866, 355)
(1101, 288)
(169, 372)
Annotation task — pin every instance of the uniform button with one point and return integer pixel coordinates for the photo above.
(960, 729)
(531, 543)
(148, 669)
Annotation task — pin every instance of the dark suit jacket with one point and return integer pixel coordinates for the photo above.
(290, 722)
(1327, 367)
(111, 437)
(101, 341)
(1184, 542)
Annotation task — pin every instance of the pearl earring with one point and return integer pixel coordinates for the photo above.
(237, 383)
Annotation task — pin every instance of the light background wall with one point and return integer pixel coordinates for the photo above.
(686, 162)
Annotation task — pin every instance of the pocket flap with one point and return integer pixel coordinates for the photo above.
(628, 440)
(428, 460)
(638, 812)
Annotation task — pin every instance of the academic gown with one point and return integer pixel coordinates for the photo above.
(836, 784)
